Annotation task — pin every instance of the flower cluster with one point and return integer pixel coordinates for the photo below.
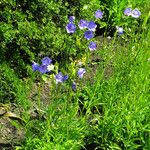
(129, 12)
(45, 67)
(135, 13)
(84, 24)
(60, 77)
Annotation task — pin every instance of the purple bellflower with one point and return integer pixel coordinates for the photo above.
(71, 18)
(92, 26)
(46, 61)
(127, 11)
(82, 24)
(81, 72)
(65, 77)
(43, 69)
(135, 13)
(73, 86)
(119, 30)
(98, 14)
(88, 35)
(92, 46)
(60, 78)
(70, 27)
(35, 66)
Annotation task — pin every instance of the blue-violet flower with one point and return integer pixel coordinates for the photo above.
(119, 30)
(73, 86)
(71, 18)
(35, 66)
(81, 72)
(60, 78)
(43, 69)
(46, 61)
(82, 24)
(92, 46)
(127, 11)
(88, 35)
(92, 26)
(98, 14)
(135, 13)
(70, 27)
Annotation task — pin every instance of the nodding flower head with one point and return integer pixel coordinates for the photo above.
(43, 69)
(71, 18)
(73, 86)
(135, 13)
(60, 78)
(70, 27)
(119, 30)
(92, 26)
(46, 61)
(92, 46)
(82, 24)
(127, 11)
(81, 72)
(88, 35)
(35, 66)
(98, 14)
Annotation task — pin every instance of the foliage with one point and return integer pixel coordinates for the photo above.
(108, 106)
(13, 89)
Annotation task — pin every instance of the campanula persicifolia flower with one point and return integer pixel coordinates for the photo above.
(73, 86)
(82, 24)
(92, 26)
(88, 35)
(70, 27)
(127, 11)
(81, 72)
(71, 18)
(65, 77)
(60, 78)
(35, 66)
(119, 30)
(98, 14)
(92, 46)
(135, 13)
(43, 69)
(46, 61)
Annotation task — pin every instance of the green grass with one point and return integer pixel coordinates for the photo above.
(112, 113)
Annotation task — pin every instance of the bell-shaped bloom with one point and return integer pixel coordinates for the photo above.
(81, 72)
(43, 69)
(92, 46)
(98, 14)
(35, 66)
(82, 24)
(65, 77)
(71, 18)
(46, 61)
(119, 30)
(70, 27)
(127, 11)
(135, 13)
(92, 26)
(60, 78)
(73, 86)
(88, 35)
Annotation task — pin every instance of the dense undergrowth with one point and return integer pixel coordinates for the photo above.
(106, 106)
